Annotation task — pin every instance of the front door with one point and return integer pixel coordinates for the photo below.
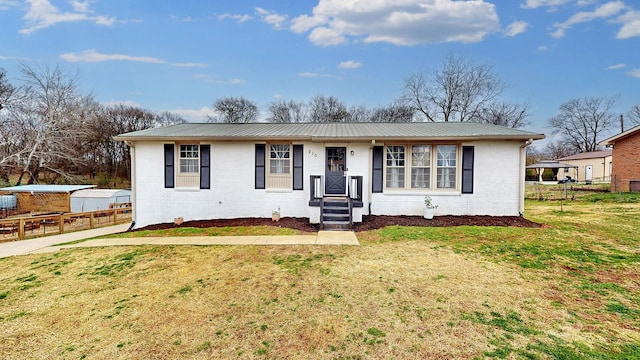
(336, 183)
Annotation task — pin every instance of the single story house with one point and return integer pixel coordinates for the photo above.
(625, 172)
(589, 167)
(331, 173)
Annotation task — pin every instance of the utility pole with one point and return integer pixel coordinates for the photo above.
(621, 123)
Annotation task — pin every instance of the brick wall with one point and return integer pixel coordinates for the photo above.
(626, 162)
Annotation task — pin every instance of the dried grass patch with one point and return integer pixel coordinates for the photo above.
(383, 301)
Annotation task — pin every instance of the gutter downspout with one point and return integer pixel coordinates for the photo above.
(132, 150)
(523, 163)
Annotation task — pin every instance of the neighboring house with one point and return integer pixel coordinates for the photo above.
(593, 166)
(625, 173)
(209, 171)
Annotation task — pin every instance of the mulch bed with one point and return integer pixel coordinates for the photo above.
(370, 222)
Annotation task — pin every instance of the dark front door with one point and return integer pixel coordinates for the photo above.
(336, 183)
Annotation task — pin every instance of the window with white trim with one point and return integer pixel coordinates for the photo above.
(188, 174)
(421, 167)
(446, 164)
(426, 166)
(395, 167)
(189, 159)
(279, 174)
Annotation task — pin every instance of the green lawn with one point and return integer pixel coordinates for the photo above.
(569, 290)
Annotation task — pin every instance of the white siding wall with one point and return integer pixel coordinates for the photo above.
(496, 187)
(232, 193)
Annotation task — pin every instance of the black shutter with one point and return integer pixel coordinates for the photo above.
(205, 170)
(297, 167)
(260, 159)
(376, 173)
(467, 169)
(168, 166)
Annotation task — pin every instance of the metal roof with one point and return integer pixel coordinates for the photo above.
(330, 131)
(550, 164)
(588, 155)
(46, 188)
(100, 193)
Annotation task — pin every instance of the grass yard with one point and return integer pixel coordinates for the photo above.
(570, 290)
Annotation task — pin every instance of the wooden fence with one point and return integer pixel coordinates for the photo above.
(45, 225)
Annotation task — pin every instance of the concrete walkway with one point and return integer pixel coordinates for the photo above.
(48, 244)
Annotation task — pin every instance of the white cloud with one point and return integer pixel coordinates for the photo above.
(631, 25)
(80, 6)
(6, 4)
(189, 65)
(272, 18)
(314, 74)
(350, 64)
(616, 66)
(516, 27)
(634, 73)
(209, 79)
(326, 36)
(194, 115)
(41, 14)
(238, 17)
(543, 48)
(604, 11)
(94, 56)
(533, 4)
(401, 22)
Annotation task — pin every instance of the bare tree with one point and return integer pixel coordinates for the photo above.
(283, 111)
(169, 118)
(234, 110)
(456, 92)
(359, 113)
(558, 149)
(504, 114)
(581, 121)
(49, 122)
(395, 112)
(634, 116)
(323, 109)
(6, 89)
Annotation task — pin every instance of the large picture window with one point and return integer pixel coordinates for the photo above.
(424, 166)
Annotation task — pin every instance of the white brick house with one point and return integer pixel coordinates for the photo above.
(215, 171)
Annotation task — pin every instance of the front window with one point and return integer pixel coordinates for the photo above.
(421, 167)
(446, 163)
(279, 159)
(395, 167)
(279, 175)
(189, 159)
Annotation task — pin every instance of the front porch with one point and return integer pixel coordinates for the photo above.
(336, 210)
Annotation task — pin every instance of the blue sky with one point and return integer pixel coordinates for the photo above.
(182, 55)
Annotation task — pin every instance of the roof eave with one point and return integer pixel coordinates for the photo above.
(330, 138)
